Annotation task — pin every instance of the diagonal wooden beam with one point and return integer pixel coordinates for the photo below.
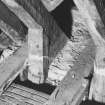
(50, 28)
(11, 24)
(53, 37)
(35, 35)
(73, 87)
(12, 66)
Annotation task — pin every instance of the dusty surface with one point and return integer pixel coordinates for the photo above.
(64, 60)
(66, 57)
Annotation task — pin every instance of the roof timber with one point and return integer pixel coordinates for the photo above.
(52, 35)
(11, 24)
(74, 81)
(70, 88)
(51, 30)
(12, 66)
(35, 35)
(79, 75)
(23, 15)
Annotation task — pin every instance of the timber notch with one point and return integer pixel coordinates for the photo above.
(36, 52)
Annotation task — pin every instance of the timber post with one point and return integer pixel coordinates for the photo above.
(52, 35)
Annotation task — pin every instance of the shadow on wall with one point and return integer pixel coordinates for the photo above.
(63, 17)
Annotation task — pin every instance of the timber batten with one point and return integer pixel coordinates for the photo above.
(17, 94)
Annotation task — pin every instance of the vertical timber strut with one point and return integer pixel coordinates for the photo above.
(52, 34)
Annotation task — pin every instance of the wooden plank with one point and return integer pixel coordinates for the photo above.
(23, 15)
(72, 88)
(24, 100)
(62, 66)
(50, 28)
(2, 102)
(52, 34)
(12, 100)
(35, 43)
(20, 87)
(11, 33)
(12, 66)
(18, 27)
(69, 53)
(34, 95)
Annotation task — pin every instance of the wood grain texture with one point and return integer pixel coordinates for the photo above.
(2, 102)
(66, 57)
(28, 90)
(50, 28)
(12, 66)
(11, 33)
(73, 83)
(35, 43)
(72, 88)
(20, 95)
(52, 34)
(13, 21)
(94, 19)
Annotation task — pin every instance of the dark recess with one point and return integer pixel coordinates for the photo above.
(63, 17)
(45, 88)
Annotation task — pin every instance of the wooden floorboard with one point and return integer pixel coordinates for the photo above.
(20, 95)
(28, 90)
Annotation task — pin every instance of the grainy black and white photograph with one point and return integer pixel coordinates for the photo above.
(52, 52)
